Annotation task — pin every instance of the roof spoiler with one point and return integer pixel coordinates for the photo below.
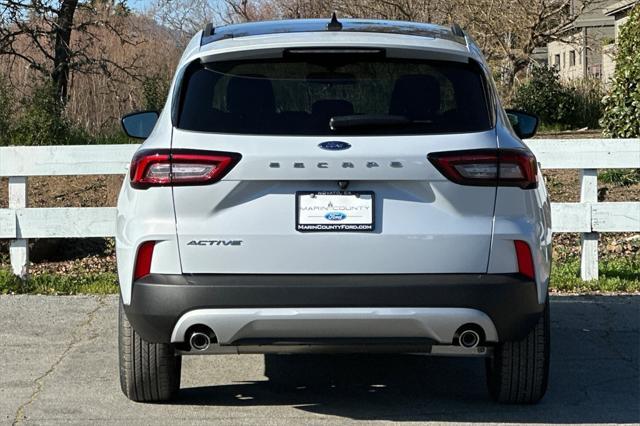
(211, 34)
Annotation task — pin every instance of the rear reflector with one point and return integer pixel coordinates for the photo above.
(525, 260)
(488, 167)
(143, 260)
(179, 167)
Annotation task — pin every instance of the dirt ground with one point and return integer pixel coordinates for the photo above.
(101, 191)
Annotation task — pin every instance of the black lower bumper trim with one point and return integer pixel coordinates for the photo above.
(158, 301)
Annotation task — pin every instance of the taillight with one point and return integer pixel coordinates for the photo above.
(525, 259)
(143, 259)
(179, 167)
(490, 167)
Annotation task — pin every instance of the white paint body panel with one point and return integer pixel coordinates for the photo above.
(430, 224)
(145, 216)
(521, 215)
(269, 45)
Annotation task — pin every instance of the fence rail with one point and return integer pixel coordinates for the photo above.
(19, 223)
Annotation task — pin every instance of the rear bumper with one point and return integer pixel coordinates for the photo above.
(159, 302)
(334, 326)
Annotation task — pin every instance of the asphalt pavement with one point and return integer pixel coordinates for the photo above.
(58, 364)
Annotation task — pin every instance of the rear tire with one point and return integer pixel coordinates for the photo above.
(518, 372)
(149, 372)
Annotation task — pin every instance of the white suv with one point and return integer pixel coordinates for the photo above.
(326, 186)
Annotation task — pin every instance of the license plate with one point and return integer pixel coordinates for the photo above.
(339, 211)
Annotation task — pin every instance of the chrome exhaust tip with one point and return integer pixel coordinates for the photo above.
(199, 341)
(469, 339)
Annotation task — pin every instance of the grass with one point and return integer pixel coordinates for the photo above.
(59, 284)
(622, 177)
(553, 128)
(617, 274)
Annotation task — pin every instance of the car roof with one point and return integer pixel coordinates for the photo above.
(234, 31)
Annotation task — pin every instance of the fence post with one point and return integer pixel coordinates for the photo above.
(19, 248)
(589, 240)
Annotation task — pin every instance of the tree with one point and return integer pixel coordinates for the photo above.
(245, 10)
(184, 17)
(296, 9)
(509, 30)
(622, 106)
(433, 11)
(55, 37)
(436, 11)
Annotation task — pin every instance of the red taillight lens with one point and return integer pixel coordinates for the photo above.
(179, 167)
(146, 169)
(143, 259)
(503, 167)
(525, 259)
(518, 168)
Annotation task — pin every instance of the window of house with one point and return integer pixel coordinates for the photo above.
(572, 58)
(556, 61)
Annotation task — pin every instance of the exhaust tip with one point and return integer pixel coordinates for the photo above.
(200, 341)
(469, 339)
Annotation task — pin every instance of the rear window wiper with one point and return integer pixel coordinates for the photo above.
(367, 120)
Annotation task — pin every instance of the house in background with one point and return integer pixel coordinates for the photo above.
(580, 52)
(540, 56)
(619, 11)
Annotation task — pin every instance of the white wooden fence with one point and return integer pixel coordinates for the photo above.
(19, 223)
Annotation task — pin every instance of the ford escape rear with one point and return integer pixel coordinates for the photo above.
(314, 187)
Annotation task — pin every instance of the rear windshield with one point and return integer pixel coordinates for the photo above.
(329, 96)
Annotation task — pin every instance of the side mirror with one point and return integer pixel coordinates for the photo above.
(139, 125)
(524, 124)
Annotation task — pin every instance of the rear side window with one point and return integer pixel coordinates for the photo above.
(334, 95)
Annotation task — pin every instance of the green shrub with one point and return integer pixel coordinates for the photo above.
(622, 106)
(588, 108)
(113, 137)
(545, 96)
(154, 90)
(6, 112)
(107, 136)
(575, 105)
(42, 121)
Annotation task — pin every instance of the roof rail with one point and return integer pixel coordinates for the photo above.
(208, 30)
(457, 30)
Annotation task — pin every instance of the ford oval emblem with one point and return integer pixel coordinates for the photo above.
(334, 145)
(335, 216)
